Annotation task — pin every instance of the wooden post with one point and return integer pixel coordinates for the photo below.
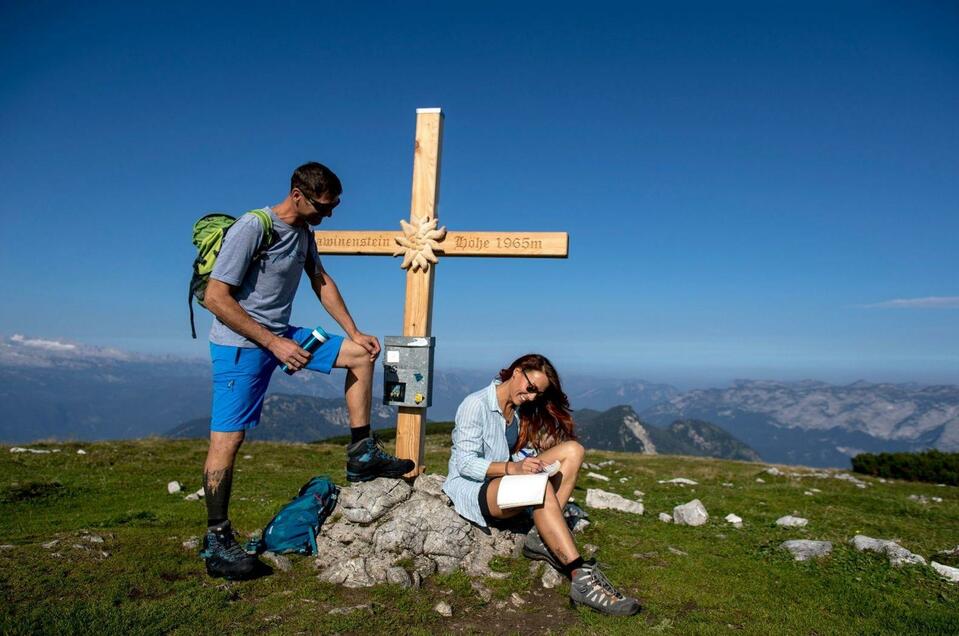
(419, 284)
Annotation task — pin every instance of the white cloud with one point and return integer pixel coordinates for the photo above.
(49, 345)
(929, 302)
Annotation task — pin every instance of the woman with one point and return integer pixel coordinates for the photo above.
(525, 414)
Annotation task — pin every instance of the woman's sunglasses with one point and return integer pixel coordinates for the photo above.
(530, 387)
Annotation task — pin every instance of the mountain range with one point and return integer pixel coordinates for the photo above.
(50, 389)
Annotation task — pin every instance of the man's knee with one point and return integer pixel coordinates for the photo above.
(226, 443)
(355, 358)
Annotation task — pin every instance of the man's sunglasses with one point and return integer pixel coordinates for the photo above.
(321, 207)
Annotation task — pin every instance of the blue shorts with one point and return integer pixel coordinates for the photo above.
(242, 374)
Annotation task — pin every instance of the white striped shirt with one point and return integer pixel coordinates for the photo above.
(479, 439)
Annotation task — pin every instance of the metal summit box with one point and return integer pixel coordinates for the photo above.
(408, 371)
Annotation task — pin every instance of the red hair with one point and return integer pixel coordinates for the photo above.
(547, 420)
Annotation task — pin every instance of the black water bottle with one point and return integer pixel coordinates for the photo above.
(311, 344)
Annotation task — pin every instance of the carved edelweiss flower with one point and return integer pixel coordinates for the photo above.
(420, 239)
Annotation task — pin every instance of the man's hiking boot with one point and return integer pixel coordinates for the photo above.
(225, 557)
(535, 549)
(366, 460)
(590, 587)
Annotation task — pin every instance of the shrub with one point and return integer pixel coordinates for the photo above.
(932, 466)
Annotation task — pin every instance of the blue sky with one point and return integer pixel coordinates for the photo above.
(747, 187)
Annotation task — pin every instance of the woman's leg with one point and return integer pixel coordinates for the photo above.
(552, 527)
(570, 454)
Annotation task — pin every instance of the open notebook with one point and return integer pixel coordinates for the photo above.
(524, 490)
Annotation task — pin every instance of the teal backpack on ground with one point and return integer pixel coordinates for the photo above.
(295, 526)
(208, 234)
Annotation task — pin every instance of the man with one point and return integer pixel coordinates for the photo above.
(250, 293)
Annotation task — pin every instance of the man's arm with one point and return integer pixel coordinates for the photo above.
(329, 295)
(220, 301)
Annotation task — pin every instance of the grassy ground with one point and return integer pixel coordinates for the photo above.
(141, 580)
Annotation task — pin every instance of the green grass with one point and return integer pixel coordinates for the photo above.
(729, 581)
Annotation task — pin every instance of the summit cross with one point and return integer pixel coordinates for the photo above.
(422, 242)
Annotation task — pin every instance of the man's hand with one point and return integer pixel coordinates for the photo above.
(289, 353)
(370, 343)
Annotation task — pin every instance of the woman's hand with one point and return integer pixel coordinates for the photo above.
(529, 466)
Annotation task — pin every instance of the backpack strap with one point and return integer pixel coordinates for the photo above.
(267, 239)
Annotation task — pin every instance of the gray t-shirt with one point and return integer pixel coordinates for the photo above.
(264, 287)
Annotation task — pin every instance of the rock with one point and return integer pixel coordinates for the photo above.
(368, 501)
(80, 451)
(50, 544)
(682, 481)
(517, 600)
(690, 514)
(623, 480)
(948, 573)
(810, 494)
(484, 592)
(608, 462)
(596, 498)
(814, 490)
(589, 549)
(174, 487)
(278, 561)
(937, 499)
(248, 457)
(735, 520)
(430, 484)
(665, 517)
(192, 543)
(398, 576)
(597, 476)
(35, 451)
(195, 496)
(580, 525)
(676, 551)
(443, 609)
(775, 472)
(639, 494)
(93, 538)
(897, 554)
(728, 484)
(850, 479)
(7, 546)
(365, 607)
(803, 549)
(349, 573)
(790, 521)
(551, 578)
(760, 480)
(589, 466)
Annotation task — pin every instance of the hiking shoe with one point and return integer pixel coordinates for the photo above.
(590, 587)
(225, 557)
(534, 548)
(367, 460)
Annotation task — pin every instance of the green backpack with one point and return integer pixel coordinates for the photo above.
(208, 234)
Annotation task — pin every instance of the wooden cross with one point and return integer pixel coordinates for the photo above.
(421, 243)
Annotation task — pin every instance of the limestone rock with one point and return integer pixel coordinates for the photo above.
(174, 487)
(665, 517)
(949, 573)
(192, 543)
(443, 609)
(790, 521)
(682, 481)
(278, 561)
(803, 549)
(735, 520)
(897, 554)
(349, 573)
(692, 513)
(431, 485)
(398, 576)
(80, 451)
(596, 498)
(368, 501)
(195, 496)
(551, 578)
(597, 476)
